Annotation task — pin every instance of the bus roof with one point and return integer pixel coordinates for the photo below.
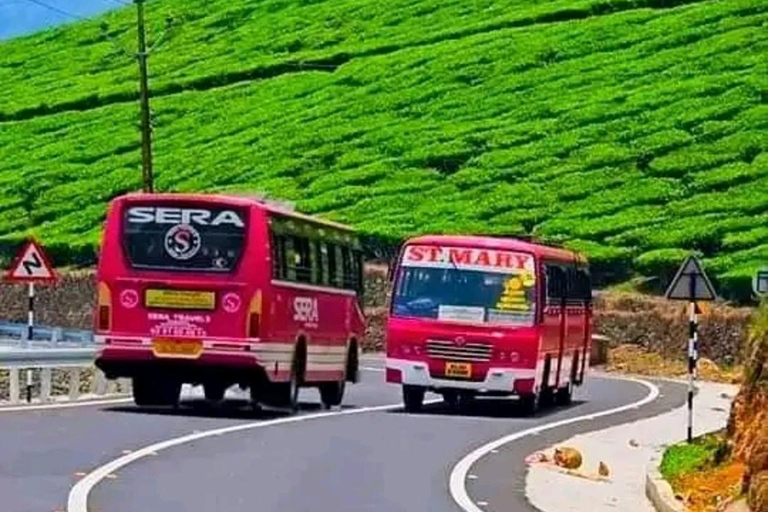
(509, 244)
(237, 200)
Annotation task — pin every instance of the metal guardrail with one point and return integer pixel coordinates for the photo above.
(18, 332)
(46, 357)
(72, 350)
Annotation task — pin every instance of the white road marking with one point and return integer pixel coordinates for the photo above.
(373, 369)
(458, 477)
(94, 402)
(64, 405)
(78, 495)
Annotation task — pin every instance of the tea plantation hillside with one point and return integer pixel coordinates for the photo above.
(634, 130)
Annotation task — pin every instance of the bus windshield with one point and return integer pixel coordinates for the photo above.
(191, 238)
(475, 296)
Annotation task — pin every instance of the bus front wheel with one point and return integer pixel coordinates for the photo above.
(413, 397)
(529, 404)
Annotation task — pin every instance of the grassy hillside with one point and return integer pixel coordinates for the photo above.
(633, 133)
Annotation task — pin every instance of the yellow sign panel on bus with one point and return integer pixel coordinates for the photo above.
(180, 299)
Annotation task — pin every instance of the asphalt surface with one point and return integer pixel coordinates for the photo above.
(375, 461)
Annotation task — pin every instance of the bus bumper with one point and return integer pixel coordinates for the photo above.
(122, 356)
(497, 380)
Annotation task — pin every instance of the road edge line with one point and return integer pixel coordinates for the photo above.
(78, 495)
(458, 476)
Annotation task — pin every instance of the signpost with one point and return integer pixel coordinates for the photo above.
(760, 283)
(691, 284)
(31, 266)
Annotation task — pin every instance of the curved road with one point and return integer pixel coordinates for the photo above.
(377, 461)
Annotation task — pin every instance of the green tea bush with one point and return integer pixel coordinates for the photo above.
(635, 131)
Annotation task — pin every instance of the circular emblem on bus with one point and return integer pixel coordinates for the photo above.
(460, 341)
(231, 302)
(182, 242)
(129, 298)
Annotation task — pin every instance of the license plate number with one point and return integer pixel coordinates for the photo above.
(173, 348)
(463, 370)
(180, 299)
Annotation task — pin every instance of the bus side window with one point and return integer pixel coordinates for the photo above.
(321, 258)
(278, 257)
(357, 274)
(556, 284)
(332, 265)
(302, 261)
(586, 285)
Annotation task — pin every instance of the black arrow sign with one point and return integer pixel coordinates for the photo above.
(29, 265)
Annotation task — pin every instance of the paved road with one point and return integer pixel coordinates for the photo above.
(384, 461)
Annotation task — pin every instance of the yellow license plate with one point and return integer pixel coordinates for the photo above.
(180, 299)
(172, 348)
(458, 370)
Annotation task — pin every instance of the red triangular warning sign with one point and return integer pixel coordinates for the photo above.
(31, 265)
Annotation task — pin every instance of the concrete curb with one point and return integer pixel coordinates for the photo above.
(658, 490)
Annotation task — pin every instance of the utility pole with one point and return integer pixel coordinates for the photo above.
(146, 128)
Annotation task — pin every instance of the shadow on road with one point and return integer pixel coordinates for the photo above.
(488, 408)
(228, 409)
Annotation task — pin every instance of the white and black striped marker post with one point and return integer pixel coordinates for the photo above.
(691, 284)
(30, 332)
(693, 356)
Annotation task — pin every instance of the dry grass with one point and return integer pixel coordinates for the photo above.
(711, 489)
(635, 360)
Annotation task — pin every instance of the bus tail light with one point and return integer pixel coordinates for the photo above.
(254, 316)
(105, 308)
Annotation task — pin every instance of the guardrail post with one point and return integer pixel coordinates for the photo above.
(45, 385)
(74, 383)
(100, 383)
(14, 385)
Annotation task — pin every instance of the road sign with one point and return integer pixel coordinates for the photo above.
(691, 283)
(31, 265)
(760, 283)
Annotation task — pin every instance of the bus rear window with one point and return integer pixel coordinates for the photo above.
(191, 238)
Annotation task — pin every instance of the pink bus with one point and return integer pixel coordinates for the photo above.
(493, 316)
(218, 290)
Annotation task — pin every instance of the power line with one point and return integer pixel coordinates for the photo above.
(56, 9)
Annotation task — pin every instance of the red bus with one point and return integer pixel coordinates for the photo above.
(489, 316)
(219, 290)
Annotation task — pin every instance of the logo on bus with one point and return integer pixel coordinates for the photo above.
(231, 302)
(200, 216)
(182, 242)
(129, 298)
(305, 310)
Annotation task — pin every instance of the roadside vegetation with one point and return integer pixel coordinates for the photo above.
(723, 468)
(632, 130)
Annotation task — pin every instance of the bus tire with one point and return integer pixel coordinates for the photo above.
(451, 399)
(149, 391)
(214, 391)
(352, 371)
(529, 404)
(413, 398)
(564, 395)
(332, 393)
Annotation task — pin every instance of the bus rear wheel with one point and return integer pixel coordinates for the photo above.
(332, 393)
(214, 391)
(529, 404)
(413, 397)
(148, 391)
(564, 395)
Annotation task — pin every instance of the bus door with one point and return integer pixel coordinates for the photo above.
(554, 324)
